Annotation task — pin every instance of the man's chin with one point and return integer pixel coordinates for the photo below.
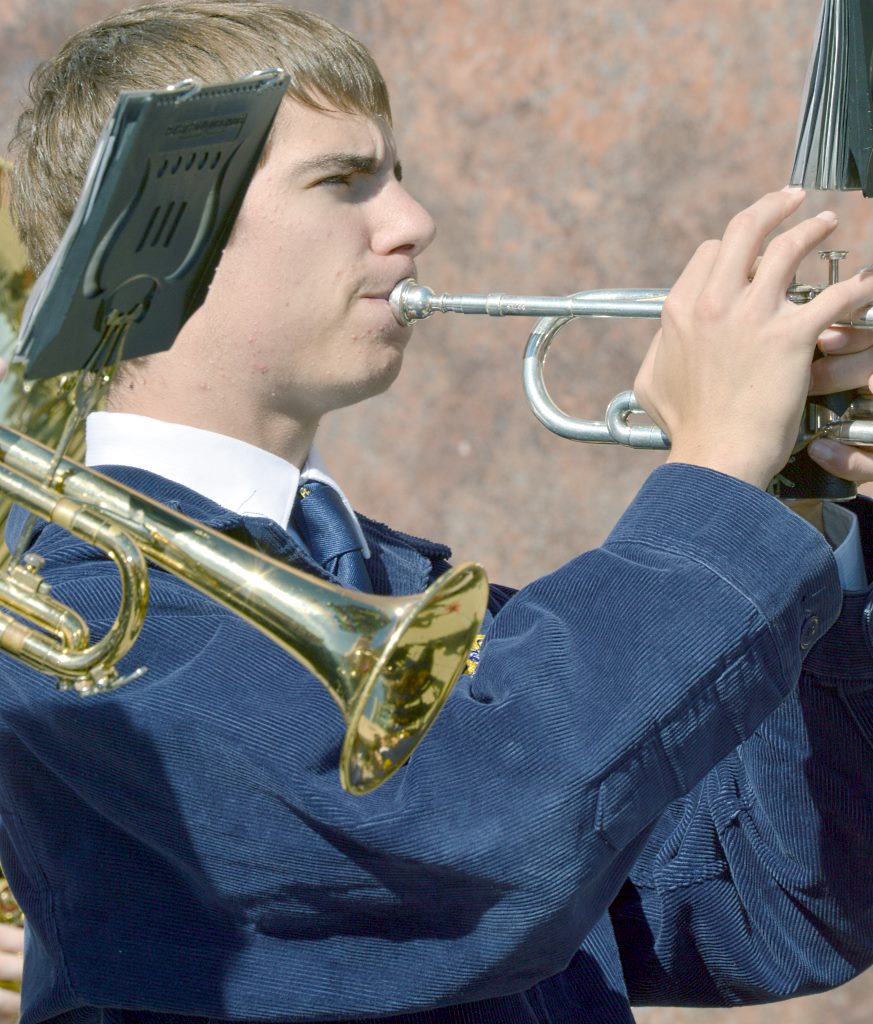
(376, 383)
(380, 383)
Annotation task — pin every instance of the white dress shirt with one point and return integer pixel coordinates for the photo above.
(232, 473)
(843, 535)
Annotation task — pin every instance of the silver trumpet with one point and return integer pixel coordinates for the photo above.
(411, 302)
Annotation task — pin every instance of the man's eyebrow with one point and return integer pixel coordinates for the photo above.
(344, 163)
(339, 162)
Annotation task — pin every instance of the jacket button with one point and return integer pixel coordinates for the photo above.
(809, 632)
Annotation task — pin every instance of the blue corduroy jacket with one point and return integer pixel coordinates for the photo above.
(631, 800)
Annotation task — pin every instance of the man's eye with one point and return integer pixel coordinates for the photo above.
(337, 179)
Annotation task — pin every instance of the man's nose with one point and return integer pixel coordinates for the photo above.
(404, 224)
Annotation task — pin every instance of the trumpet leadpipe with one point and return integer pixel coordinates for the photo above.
(411, 301)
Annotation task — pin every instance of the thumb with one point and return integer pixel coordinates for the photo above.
(644, 390)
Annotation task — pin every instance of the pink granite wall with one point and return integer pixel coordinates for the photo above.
(561, 145)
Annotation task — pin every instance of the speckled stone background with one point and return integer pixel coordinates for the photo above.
(561, 145)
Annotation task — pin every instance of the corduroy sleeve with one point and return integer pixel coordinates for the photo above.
(605, 691)
(759, 884)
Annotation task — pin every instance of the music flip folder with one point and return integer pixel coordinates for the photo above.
(834, 149)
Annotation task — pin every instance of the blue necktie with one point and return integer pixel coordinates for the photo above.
(324, 524)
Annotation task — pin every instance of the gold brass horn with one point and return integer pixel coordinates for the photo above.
(388, 662)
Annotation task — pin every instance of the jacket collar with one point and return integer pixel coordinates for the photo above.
(399, 563)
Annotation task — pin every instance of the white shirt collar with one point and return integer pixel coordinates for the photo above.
(232, 473)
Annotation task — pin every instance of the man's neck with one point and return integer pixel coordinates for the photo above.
(274, 432)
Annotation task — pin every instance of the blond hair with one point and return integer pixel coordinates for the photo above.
(150, 47)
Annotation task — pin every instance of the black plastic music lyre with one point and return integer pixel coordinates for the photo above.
(163, 190)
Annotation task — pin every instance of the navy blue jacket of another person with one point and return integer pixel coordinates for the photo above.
(632, 800)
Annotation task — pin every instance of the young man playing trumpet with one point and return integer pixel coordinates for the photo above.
(658, 799)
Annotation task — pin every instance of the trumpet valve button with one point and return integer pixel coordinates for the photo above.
(833, 256)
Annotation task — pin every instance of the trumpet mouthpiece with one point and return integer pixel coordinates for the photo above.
(410, 301)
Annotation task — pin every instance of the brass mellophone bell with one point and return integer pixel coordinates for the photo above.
(411, 302)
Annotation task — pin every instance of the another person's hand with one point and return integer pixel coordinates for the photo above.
(727, 375)
(849, 366)
(11, 963)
